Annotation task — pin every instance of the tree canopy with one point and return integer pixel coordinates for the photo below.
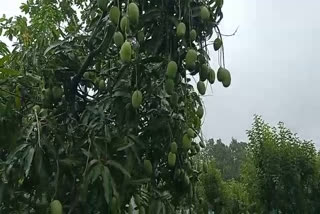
(284, 174)
(279, 173)
(98, 105)
(228, 158)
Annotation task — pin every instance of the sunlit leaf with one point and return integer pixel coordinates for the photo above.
(5, 73)
(28, 160)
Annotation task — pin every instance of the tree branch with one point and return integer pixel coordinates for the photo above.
(92, 54)
(234, 33)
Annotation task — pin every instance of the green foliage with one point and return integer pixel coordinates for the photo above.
(283, 173)
(236, 198)
(218, 186)
(70, 129)
(223, 197)
(213, 187)
(228, 158)
(276, 172)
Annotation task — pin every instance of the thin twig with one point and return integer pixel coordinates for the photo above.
(234, 33)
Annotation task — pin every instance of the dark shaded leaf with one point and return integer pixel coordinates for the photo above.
(119, 167)
(106, 183)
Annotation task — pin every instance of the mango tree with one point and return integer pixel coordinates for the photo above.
(101, 104)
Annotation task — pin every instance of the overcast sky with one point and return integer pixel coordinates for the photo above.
(274, 65)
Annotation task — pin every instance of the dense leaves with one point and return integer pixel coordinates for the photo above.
(276, 172)
(86, 116)
(228, 158)
(284, 168)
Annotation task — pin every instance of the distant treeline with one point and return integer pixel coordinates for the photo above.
(274, 172)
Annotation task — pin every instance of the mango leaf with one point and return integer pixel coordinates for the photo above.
(54, 45)
(156, 41)
(28, 160)
(122, 94)
(135, 139)
(3, 49)
(3, 60)
(2, 189)
(119, 167)
(6, 72)
(163, 208)
(94, 173)
(140, 181)
(125, 146)
(69, 162)
(18, 97)
(155, 207)
(33, 77)
(12, 156)
(149, 16)
(106, 183)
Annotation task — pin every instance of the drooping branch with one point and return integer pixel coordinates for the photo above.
(107, 37)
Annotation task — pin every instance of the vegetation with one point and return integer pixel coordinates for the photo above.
(99, 114)
(93, 95)
(228, 158)
(276, 172)
(285, 174)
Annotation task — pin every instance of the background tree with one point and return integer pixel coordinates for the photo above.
(211, 188)
(97, 105)
(228, 158)
(278, 173)
(282, 175)
(222, 195)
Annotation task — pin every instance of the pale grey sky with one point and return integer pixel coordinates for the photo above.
(274, 65)
(275, 69)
